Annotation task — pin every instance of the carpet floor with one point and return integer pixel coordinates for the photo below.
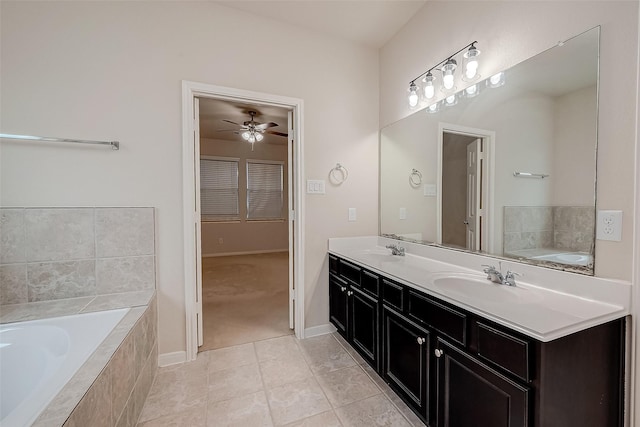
(245, 298)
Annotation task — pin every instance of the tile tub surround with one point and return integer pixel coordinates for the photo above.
(112, 385)
(59, 253)
(566, 228)
(283, 381)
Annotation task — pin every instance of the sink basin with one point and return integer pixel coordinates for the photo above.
(479, 288)
(378, 255)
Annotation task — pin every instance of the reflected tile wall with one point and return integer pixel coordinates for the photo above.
(569, 228)
(57, 253)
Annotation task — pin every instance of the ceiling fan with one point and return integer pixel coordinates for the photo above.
(252, 131)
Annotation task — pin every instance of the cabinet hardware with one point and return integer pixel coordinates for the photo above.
(439, 352)
(349, 293)
(342, 288)
(420, 340)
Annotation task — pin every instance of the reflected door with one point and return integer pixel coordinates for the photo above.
(474, 188)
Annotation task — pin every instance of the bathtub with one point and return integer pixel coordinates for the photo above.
(38, 357)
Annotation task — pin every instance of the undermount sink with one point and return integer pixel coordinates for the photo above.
(479, 288)
(379, 255)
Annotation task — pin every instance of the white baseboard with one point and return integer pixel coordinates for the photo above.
(166, 359)
(315, 331)
(269, 251)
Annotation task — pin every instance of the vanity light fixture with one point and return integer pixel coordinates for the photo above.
(448, 68)
(433, 108)
(451, 100)
(496, 80)
(472, 91)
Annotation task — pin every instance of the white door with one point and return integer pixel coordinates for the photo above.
(474, 182)
(197, 217)
(290, 187)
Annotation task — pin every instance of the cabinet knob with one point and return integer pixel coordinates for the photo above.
(342, 288)
(420, 340)
(349, 293)
(439, 352)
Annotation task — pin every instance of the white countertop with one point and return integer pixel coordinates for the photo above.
(538, 310)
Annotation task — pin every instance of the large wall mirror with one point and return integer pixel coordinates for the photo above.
(509, 170)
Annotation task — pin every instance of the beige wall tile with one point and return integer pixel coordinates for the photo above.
(59, 280)
(128, 274)
(95, 408)
(123, 377)
(59, 234)
(12, 236)
(13, 284)
(124, 232)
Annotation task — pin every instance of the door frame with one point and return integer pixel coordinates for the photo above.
(190, 91)
(489, 138)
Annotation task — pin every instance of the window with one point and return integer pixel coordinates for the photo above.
(219, 189)
(264, 190)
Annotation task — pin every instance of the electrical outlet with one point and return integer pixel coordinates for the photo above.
(403, 213)
(220, 240)
(609, 225)
(352, 214)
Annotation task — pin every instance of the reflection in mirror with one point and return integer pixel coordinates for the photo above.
(507, 170)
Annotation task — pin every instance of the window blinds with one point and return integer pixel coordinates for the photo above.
(264, 190)
(218, 189)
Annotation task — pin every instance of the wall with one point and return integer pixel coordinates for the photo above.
(509, 32)
(113, 70)
(245, 236)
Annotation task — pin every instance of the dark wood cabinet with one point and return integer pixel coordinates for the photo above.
(471, 393)
(455, 368)
(406, 360)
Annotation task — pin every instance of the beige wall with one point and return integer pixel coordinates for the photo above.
(509, 32)
(113, 70)
(245, 236)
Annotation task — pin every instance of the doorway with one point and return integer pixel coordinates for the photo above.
(253, 204)
(465, 188)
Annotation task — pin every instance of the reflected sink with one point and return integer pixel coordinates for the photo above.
(479, 288)
(378, 255)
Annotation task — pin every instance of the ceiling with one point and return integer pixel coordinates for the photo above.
(368, 22)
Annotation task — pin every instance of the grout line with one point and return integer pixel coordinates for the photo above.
(264, 386)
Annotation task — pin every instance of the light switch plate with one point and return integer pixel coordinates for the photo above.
(430, 190)
(352, 214)
(315, 186)
(403, 213)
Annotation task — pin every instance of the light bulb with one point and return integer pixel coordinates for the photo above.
(496, 80)
(447, 73)
(429, 89)
(450, 100)
(245, 135)
(471, 65)
(471, 91)
(413, 95)
(433, 108)
(252, 138)
(259, 137)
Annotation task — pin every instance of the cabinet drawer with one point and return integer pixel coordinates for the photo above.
(333, 264)
(504, 350)
(444, 319)
(349, 271)
(392, 294)
(370, 283)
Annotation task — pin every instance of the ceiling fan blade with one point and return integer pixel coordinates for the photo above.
(229, 121)
(264, 126)
(226, 130)
(277, 133)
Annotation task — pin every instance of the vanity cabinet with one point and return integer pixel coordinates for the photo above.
(354, 308)
(455, 368)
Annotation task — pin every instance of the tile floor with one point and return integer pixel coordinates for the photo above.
(282, 381)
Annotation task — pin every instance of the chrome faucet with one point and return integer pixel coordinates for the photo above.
(396, 250)
(509, 278)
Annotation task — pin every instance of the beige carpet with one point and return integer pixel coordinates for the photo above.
(245, 298)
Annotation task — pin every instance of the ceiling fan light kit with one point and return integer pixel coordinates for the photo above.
(252, 131)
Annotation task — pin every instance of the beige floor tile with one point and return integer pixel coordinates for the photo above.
(286, 370)
(246, 411)
(325, 419)
(374, 411)
(176, 389)
(295, 401)
(276, 348)
(325, 354)
(195, 417)
(347, 385)
(352, 352)
(231, 357)
(234, 382)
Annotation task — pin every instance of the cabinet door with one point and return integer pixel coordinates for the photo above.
(363, 325)
(338, 308)
(470, 394)
(406, 361)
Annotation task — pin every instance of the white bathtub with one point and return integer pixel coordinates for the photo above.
(38, 357)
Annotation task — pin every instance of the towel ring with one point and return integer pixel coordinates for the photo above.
(415, 177)
(339, 174)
